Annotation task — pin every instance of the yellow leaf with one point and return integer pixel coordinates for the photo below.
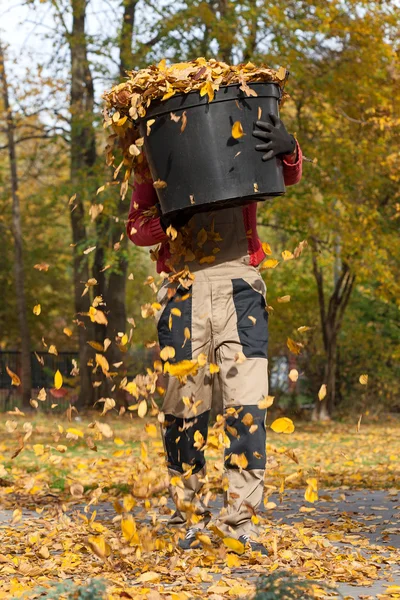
(182, 368)
(363, 379)
(232, 560)
(128, 527)
(172, 232)
(202, 359)
(74, 431)
(151, 430)
(311, 493)
(283, 425)
(293, 374)
(283, 299)
(15, 380)
(207, 260)
(96, 346)
(167, 352)
(201, 237)
(53, 350)
(293, 346)
(213, 368)
(33, 403)
(118, 442)
(160, 184)
(266, 248)
(266, 402)
(99, 546)
(142, 409)
(186, 333)
(38, 449)
(67, 331)
(239, 358)
(239, 460)
(234, 545)
(270, 263)
(103, 363)
(150, 576)
(58, 380)
(207, 88)
(303, 328)
(286, 255)
(322, 392)
(176, 312)
(37, 309)
(237, 130)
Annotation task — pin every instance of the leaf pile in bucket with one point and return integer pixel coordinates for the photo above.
(129, 100)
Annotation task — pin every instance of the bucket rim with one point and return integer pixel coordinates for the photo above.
(159, 107)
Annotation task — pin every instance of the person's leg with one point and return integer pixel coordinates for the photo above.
(241, 350)
(186, 404)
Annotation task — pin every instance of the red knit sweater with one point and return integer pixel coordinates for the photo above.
(145, 231)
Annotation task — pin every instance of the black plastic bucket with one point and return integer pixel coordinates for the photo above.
(205, 168)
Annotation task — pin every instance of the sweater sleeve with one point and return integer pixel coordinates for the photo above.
(292, 171)
(142, 229)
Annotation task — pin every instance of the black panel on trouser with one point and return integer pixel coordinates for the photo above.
(179, 441)
(252, 445)
(250, 303)
(175, 337)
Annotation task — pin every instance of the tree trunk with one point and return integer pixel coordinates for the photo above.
(26, 378)
(331, 322)
(83, 158)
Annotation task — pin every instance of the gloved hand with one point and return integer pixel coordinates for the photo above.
(177, 221)
(277, 141)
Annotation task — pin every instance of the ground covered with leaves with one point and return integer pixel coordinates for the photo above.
(89, 498)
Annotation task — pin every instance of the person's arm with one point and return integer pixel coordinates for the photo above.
(144, 229)
(293, 166)
(276, 141)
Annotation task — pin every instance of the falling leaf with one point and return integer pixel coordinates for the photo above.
(42, 395)
(266, 248)
(53, 350)
(266, 402)
(270, 263)
(76, 490)
(67, 331)
(311, 493)
(239, 358)
(234, 545)
(176, 312)
(299, 249)
(99, 546)
(89, 250)
(37, 309)
(174, 117)
(286, 255)
(15, 380)
(237, 130)
(167, 352)
(151, 430)
(322, 392)
(149, 123)
(283, 299)
(293, 375)
(363, 379)
(160, 184)
(259, 113)
(184, 121)
(142, 409)
(42, 267)
(75, 432)
(255, 188)
(283, 425)
(295, 347)
(359, 424)
(58, 380)
(128, 527)
(303, 329)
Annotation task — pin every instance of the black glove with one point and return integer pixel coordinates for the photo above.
(278, 141)
(177, 220)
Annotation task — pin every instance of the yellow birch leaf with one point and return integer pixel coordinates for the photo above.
(293, 375)
(74, 431)
(118, 442)
(311, 493)
(234, 545)
(287, 255)
(363, 379)
(37, 309)
(15, 380)
(283, 425)
(38, 449)
(128, 527)
(142, 409)
(322, 392)
(167, 352)
(151, 430)
(232, 560)
(186, 333)
(149, 577)
(266, 248)
(58, 380)
(237, 130)
(176, 312)
(293, 346)
(67, 331)
(207, 260)
(99, 546)
(270, 263)
(213, 368)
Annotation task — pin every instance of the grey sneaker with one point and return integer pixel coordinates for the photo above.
(255, 546)
(189, 540)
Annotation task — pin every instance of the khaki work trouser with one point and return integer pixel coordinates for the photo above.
(225, 312)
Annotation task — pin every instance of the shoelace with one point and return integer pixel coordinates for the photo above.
(191, 532)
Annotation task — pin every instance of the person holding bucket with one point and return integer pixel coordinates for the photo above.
(223, 316)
